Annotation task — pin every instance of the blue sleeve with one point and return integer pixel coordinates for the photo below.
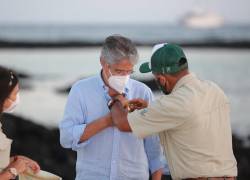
(73, 123)
(148, 95)
(154, 153)
(152, 143)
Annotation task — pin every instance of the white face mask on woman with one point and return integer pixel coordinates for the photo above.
(13, 104)
(118, 82)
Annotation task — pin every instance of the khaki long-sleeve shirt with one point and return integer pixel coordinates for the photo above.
(194, 127)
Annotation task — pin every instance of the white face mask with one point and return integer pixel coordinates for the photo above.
(117, 82)
(13, 105)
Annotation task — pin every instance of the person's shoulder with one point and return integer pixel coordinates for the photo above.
(138, 85)
(185, 96)
(217, 90)
(86, 82)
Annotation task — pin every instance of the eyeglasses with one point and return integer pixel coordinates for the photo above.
(123, 72)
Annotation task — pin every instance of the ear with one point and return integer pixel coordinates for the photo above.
(162, 79)
(102, 61)
(6, 104)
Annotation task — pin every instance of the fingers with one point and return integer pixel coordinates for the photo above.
(138, 101)
(134, 101)
(20, 165)
(133, 104)
(137, 104)
(33, 165)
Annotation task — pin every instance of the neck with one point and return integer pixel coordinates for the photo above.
(173, 79)
(182, 74)
(179, 76)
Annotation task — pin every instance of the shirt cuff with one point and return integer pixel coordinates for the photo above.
(77, 133)
(155, 165)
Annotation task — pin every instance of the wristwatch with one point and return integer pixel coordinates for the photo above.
(111, 103)
(13, 172)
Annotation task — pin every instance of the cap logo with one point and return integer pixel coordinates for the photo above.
(143, 112)
(166, 69)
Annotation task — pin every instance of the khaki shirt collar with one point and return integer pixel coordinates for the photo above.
(184, 80)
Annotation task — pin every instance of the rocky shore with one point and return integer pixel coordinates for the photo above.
(42, 144)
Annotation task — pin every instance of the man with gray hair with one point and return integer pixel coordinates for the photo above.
(104, 152)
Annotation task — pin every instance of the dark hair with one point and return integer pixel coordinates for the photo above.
(8, 81)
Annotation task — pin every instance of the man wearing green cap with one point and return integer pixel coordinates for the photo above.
(192, 119)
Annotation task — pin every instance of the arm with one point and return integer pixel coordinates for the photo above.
(96, 126)
(74, 120)
(157, 175)
(33, 165)
(21, 164)
(75, 132)
(119, 111)
(155, 155)
(119, 117)
(5, 175)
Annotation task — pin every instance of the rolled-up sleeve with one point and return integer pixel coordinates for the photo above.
(152, 143)
(154, 153)
(73, 123)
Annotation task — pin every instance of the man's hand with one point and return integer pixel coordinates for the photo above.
(119, 117)
(22, 163)
(33, 165)
(123, 100)
(136, 104)
(157, 175)
(109, 120)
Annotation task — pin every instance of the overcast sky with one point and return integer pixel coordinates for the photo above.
(116, 11)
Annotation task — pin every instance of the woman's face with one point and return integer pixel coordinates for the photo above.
(12, 98)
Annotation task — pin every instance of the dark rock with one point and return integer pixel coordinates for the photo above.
(22, 75)
(242, 154)
(64, 90)
(24, 79)
(40, 144)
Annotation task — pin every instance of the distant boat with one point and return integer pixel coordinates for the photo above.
(202, 19)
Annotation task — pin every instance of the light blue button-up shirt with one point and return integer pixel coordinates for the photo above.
(110, 154)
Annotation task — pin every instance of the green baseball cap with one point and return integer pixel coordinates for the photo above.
(166, 59)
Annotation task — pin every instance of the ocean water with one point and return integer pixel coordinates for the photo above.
(139, 33)
(57, 68)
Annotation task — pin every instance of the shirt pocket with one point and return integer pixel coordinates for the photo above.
(5, 145)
